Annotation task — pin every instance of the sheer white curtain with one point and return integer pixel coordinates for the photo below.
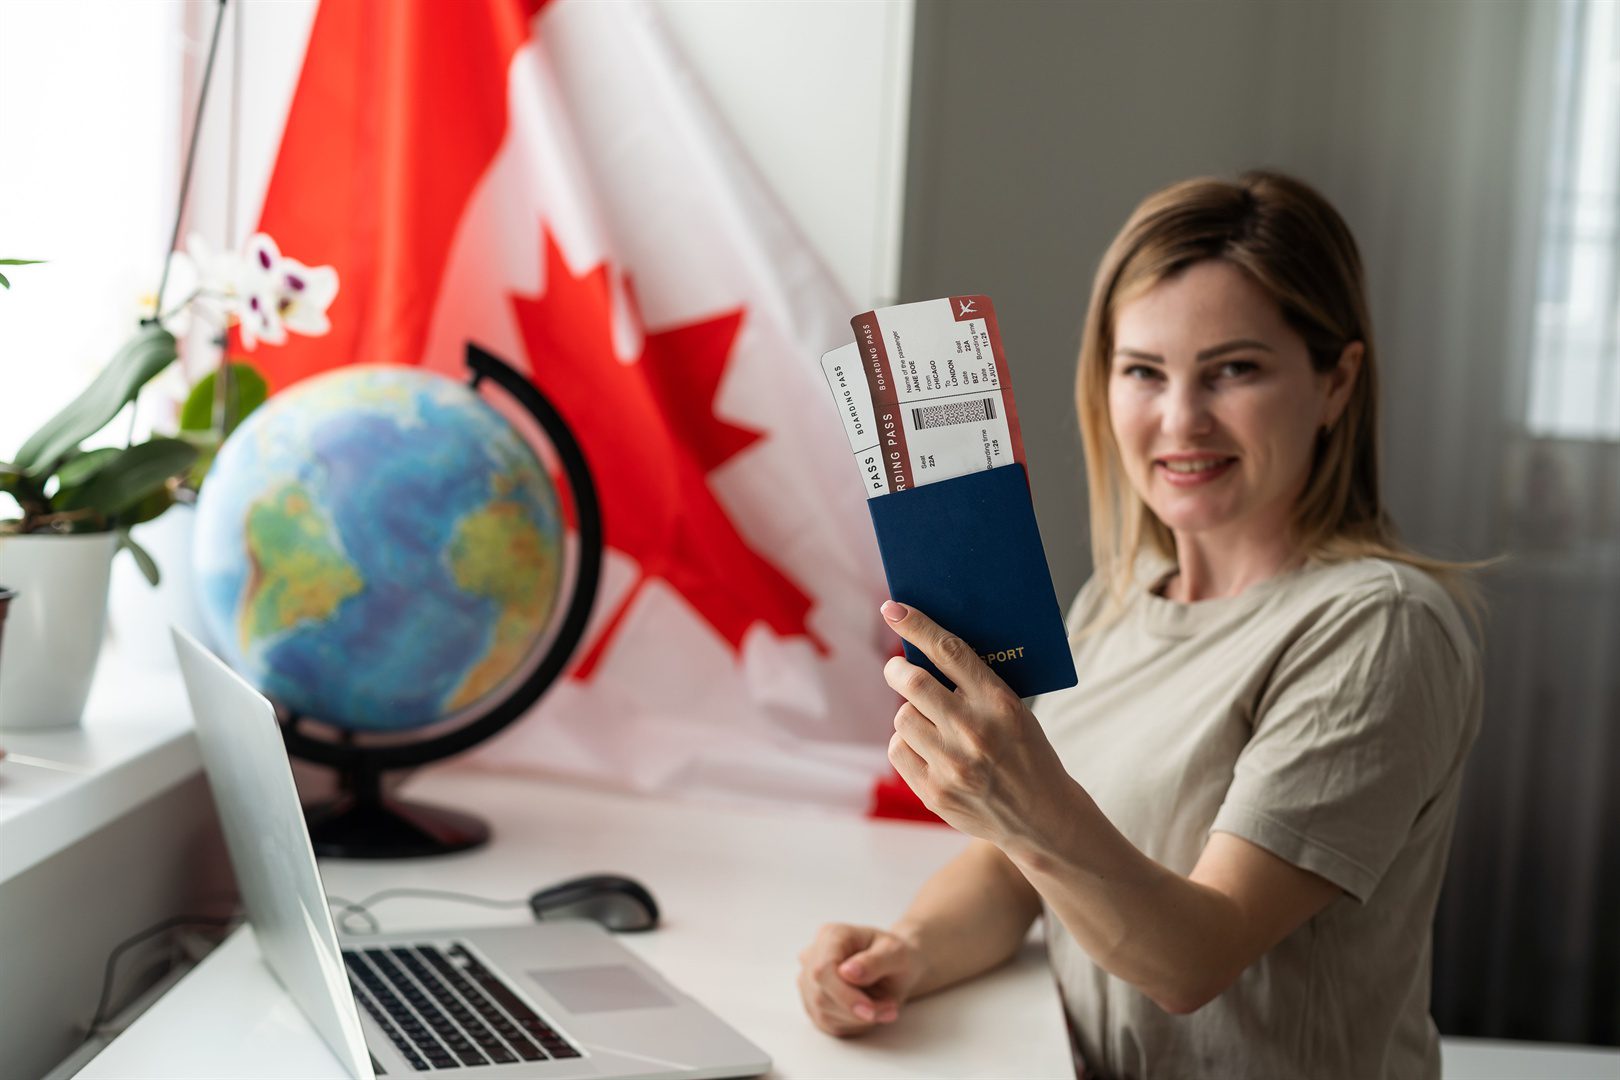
(90, 118)
(1472, 148)
(1528, 939)
(1575, 384)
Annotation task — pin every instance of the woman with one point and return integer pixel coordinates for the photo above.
(1237, 823)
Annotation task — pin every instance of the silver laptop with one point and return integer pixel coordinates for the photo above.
(559, 999)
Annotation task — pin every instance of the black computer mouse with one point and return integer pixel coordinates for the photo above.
(618, 903)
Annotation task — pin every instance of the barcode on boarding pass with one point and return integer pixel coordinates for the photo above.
(953, 412)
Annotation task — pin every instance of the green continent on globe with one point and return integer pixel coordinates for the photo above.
(498, 552)
(297, 573)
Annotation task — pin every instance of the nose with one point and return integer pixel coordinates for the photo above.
(1186, 413)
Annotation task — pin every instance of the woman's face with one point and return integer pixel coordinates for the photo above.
(1214, 404)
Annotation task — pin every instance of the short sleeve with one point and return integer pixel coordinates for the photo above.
(1359, 726)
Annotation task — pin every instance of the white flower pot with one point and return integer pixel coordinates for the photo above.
(141, 614)
(54, 627)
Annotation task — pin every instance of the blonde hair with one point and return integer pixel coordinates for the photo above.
(1297, 248)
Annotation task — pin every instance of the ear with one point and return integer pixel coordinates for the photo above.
(1341, 380)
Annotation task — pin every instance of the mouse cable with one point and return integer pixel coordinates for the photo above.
(346, 910)
(362, 908)
(173, 923)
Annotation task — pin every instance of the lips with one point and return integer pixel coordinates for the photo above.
(1193, 470)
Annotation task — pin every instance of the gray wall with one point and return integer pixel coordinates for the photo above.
(1038, 126)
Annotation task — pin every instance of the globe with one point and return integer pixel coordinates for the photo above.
(379, 549)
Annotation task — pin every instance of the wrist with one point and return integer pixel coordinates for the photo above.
(1031, 859)
(910, 931)
(913, 935)
(1050, 835)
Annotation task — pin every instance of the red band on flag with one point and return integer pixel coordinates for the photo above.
(383, 145)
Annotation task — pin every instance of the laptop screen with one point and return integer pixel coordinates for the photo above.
(263, 823)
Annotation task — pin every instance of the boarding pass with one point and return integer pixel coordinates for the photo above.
(924, 393)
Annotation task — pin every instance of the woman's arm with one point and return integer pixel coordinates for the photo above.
(978, 758)
(1180, 940)
(969, 917)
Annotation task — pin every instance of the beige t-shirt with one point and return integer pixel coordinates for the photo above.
(1324, 715)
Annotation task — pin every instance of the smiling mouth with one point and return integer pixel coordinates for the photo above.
(1193, 466)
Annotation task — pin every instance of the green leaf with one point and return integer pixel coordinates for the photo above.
(143, 356)
(148, 508)
(246, 391)
(138, 472)
(81, 466)
(204, 441)
(15, 262)
(30, 494)
(148, 565)
(207, 444)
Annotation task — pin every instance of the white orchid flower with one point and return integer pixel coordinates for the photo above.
(280, 294)
(306, 293)
(204, 281)
(219, 273)
(259, 290)
(258, 304)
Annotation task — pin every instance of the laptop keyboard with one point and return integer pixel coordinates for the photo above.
(445, 1010)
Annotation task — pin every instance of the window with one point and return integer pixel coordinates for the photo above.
(89, 162)
(1575, 362)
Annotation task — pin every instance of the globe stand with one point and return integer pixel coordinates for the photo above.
(360, 822)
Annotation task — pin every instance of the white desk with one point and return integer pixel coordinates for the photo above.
(742, 892)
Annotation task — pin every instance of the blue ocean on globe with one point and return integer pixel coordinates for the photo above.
(378, 548)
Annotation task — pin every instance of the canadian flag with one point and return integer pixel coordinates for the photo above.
(546, 179)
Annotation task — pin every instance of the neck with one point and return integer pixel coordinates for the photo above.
(1211, 565)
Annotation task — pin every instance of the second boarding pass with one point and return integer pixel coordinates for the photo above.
(924, 393)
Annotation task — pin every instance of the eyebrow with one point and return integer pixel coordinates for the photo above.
(1208, 354)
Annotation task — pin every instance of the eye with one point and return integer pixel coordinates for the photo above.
(1139, 372)
(1237, 369)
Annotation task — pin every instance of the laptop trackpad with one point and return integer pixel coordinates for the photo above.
(600, 989)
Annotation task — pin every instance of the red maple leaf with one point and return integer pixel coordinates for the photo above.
(650, 436)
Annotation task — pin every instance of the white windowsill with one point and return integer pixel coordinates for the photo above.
(59, 786)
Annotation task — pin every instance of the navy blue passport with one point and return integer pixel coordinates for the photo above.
(966, 552)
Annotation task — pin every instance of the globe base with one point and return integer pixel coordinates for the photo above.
(351, 827)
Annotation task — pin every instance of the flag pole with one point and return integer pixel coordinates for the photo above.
(191, 160)
(220, 414)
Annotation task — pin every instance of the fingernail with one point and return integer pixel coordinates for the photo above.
(895, 612)
(850, 970)
(888, 1015)
(865, 1013)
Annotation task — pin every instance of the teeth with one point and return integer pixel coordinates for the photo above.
(1194, 466)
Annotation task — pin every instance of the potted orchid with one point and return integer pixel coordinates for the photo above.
(264, 296)
(79, 506)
